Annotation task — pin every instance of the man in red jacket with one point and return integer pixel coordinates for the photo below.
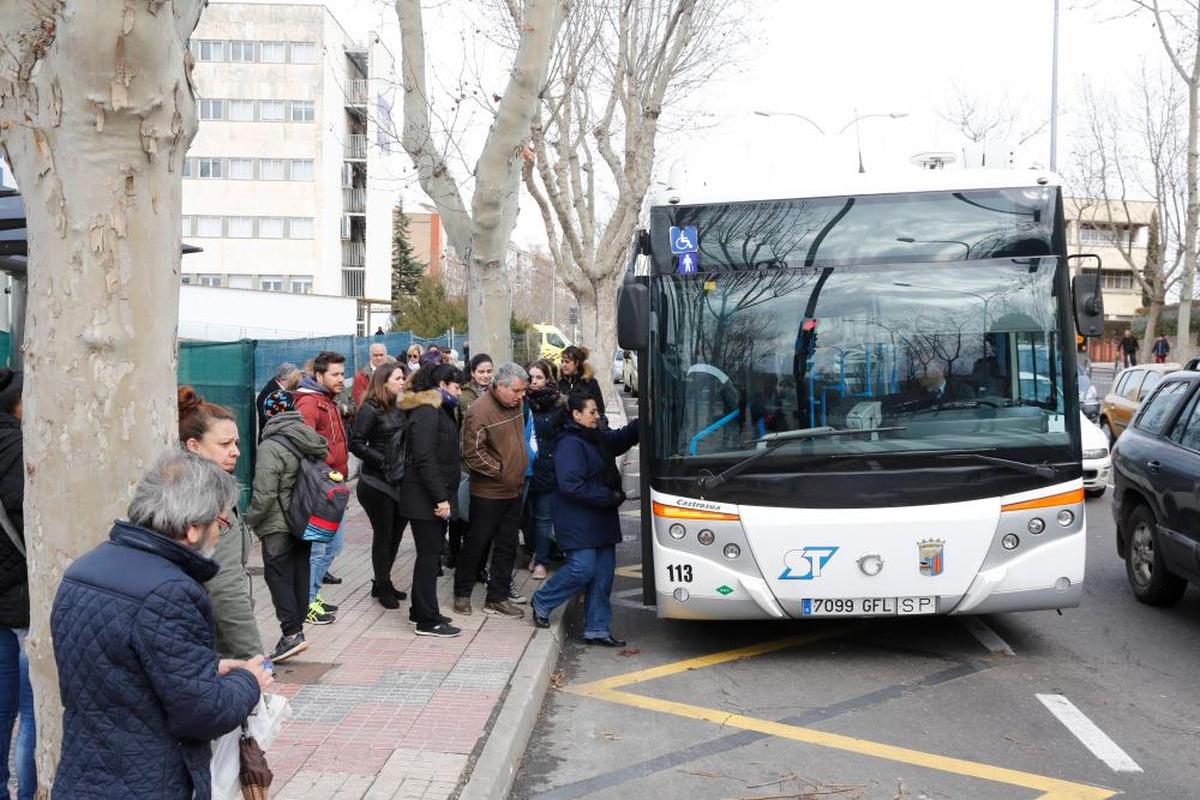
(362, 380)
(316, 400)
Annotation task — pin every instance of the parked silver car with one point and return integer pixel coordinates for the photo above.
(629, 372)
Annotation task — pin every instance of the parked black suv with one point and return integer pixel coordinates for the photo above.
(1156, 491)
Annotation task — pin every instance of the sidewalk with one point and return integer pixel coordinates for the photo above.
(378, 712)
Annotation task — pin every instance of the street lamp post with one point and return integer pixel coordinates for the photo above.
(857, 118)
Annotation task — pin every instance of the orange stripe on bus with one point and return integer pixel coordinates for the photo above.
(1063, 499)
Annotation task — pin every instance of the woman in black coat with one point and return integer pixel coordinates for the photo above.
(546, 403)
(429, 490)
(374, 426)
(577, 376)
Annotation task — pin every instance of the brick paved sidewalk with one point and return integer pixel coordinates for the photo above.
(378, 712)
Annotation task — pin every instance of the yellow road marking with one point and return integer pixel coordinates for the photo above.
(606, 689)
(631, 571)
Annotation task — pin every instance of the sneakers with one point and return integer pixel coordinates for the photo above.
(516, 597)
(317, 615)
(462, 605)
(331, 579)
(329, 607)
(288, 647)
(538, 572)
(503, 608)
(538, 620)
(442, 630)
(442, 620)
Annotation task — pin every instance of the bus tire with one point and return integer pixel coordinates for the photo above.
(1152, 583)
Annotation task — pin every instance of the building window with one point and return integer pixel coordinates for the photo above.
(303, 111)
(302, 285)
(211, 50)
(1116, 279)
(272, 169)
(241, 227)
(187, 224)
(300, 228)
(208, 227)
(241, 110)
(270, 227)
(209, 280)
(212, 109)
(241, 169)
(273, 52)
(209, 167)
(186, 280)
(186, 169)
(304, 53)
(271, 283)
(302, 169)
(1096, 234)
(272, 110)
(241, 51)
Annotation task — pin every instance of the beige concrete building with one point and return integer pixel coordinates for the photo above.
(280, 188)
(1089, 231)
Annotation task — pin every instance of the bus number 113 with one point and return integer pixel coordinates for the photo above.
(679, 573)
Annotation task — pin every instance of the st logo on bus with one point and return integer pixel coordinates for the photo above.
(806, 564)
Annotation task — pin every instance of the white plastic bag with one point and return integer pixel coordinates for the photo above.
(264, 724)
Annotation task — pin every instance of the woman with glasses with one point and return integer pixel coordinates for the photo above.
(211, 431)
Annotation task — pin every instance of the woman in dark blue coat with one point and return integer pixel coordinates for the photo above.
(586, 498)
(546, 404)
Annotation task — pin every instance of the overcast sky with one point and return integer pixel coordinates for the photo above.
(829, 60)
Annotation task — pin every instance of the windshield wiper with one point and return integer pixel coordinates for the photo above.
(1043, 470)
(708, 481)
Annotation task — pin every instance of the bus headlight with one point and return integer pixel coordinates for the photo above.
(1066, 517)
(706, 537)
(681, 594)
(677, 531)
(1036, 526)
(1010, 541)
(732, 551)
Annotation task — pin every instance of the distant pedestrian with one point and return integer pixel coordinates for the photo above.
(287, 377)
(378, 354)
(316, 402)
(377, 423)
(546, 404)
(379, 331)
(286, 557)
(413, 357)
(1161, 349)
(143, 691)
(577, 376)
(495, 452)
(211, 431)
(16, 692)
(1129, 347)
(586, 499)
(429, 490)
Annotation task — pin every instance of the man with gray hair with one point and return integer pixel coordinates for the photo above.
(377, 356)
(142, 688)
(287, 378)
(495, 453)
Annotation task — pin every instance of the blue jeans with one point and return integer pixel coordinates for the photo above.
(16, 695)
(323, 554)
(543, 526)
(592, 569)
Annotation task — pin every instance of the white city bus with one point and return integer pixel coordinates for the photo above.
(861, 402)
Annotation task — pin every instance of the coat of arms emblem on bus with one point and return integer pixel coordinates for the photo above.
(931, 556)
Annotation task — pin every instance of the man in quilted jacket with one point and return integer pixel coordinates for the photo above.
(143, 690)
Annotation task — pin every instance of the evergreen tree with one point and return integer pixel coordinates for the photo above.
(407, 271)
(1150, 272)
(428, 311)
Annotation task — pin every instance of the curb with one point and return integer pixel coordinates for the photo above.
(496, 768)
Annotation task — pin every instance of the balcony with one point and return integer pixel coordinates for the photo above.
(356, 147)
(354, 254)
(356, 92)
(354, 281)
(354, 201)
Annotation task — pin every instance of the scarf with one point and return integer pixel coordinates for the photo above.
(447, 398)
(544, 399)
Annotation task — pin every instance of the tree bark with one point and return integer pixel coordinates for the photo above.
(1187, 287)
(96, 112)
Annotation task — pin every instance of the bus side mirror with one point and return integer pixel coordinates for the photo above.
(633, 313)
(1089, 299)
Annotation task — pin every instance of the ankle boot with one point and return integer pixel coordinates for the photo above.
(388, 597)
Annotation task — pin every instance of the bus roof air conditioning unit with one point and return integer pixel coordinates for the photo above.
(932, 160)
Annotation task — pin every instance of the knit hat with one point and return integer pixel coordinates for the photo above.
(278, 402)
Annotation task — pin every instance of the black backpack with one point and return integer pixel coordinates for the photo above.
(398, 455)
(318, 499)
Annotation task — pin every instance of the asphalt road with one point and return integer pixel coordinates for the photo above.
(905, 708)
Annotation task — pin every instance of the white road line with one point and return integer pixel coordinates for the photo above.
(986, 636)
(1086, 731)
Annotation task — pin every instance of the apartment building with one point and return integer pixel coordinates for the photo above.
(280, 188)
(1089, 231)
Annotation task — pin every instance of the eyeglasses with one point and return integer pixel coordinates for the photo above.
(224, 523)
